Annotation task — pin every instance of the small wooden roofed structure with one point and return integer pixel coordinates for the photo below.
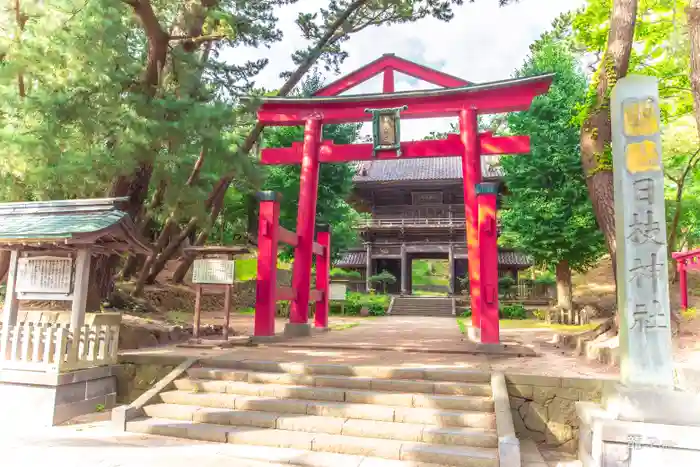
(70, 224)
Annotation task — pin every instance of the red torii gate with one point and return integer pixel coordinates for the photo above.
(457, 98)
(685, 261)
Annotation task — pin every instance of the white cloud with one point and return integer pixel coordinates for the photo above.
(484, 42)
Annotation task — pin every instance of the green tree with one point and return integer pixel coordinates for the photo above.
(384, 278)
(548, 212)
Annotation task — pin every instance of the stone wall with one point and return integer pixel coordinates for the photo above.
(133, 379)
(544, 410)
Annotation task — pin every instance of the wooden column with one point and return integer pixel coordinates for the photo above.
(451, 269)
(268, 242)
(368, 268)
(11, 306)
(323, 278)
(306, 220)
(404, 270)
(80, 289)
(471, 171)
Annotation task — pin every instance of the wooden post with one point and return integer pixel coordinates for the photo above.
(197, 310)
(80, 289)
(306, 220)
(323, 278)
(451, 269)
(404, 270)
(368, 268)
(227, 309)
(268, 242)
(471, 171)
(11, 306)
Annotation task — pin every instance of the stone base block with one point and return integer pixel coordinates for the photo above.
(297, 330)
(32, 399)
(605, 440)
(652, 405)
(474, 334)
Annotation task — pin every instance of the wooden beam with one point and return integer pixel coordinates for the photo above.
(452, 146)
(315, 296)
(496, 98)
(288, 237)
(286, 293)
(393, 63)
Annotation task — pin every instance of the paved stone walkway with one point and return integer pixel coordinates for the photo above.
(401, 331)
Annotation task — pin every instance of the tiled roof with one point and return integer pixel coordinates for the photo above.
(67, 220)
(431, 168)
(505, 258)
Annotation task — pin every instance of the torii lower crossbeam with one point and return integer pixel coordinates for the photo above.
(452, 145)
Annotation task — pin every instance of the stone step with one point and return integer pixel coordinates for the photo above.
(359, 411)
(330, 425)
(321, 442)
(380, 372)
(314, 393)
(345, 382)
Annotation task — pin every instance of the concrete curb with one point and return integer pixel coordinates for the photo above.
(122, 414)
(508, 442)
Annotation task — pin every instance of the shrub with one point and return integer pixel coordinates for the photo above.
(376, 304)
(515, 311)
(384, 278)
(339, 273)
(466, 313)
(540, 314)
(689, 314)
(546, 278)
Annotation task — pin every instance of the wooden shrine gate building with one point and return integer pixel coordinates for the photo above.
(455, 98)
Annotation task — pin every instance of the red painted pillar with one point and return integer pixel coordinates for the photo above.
(323, 276)
(488, 235)
(388, 83)
(306, 217)
(683, 283)
(471, 171)
(268, 240)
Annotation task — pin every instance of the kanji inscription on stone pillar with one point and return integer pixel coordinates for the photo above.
(642, 269)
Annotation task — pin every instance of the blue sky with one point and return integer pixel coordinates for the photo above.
(483, 42)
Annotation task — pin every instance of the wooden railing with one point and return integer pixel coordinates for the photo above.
(54, 347)
(412, 223)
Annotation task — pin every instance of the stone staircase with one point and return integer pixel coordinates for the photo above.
(425, 417)
(419, 306)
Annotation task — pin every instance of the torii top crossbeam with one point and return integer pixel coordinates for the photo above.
(456, 95)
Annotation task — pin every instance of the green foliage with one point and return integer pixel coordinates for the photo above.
(377, 305)
(548, 213)
(384, 278)
(515, 311)
(546, 278)
(540, 314)
(660, 49)
(682, 169)
(345, 274)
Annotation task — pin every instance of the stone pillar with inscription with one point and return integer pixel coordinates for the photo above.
(404, 270)
(643, 419)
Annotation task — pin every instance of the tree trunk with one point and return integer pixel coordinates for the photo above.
(596, 138)
(693, 12)
(564, 289)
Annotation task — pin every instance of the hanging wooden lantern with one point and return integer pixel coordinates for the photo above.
(386, 129)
